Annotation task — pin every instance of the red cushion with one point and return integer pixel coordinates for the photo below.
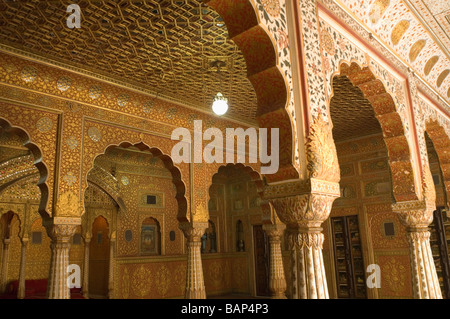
(35, 289)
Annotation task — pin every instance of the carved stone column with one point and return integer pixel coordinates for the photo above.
(195, 285)
(304, 215)
(277, 280)
(112, 244)
(22, 274)
(4, 269)
(307, 265)
(60, 235)
(87, 242)
(416, 216)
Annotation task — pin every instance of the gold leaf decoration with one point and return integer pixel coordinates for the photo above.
(68, 205)
(321, 151)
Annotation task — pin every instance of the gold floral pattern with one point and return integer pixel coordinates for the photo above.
(272, 7)
(44, 124)
(64, 83)
(94, 134)
(141, 281)
(29, 74)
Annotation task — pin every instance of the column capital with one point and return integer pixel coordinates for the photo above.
(24, 240)
(61, 232)
(194, 231)
(307, 210)
(274, 230)
(415, 215)
(301, 187)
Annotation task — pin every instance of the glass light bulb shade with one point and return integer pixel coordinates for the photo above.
(220, 104)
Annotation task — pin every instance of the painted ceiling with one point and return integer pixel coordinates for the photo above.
(351, 113)
(417, 31)
(165, 47)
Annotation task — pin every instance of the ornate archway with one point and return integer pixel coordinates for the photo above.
(383, 105)
(111, 183)
(260, 239)
(263, 72)
(24, 162)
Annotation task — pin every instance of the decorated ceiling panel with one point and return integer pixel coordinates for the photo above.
(418, 31)
(167, 47)
(351, 113)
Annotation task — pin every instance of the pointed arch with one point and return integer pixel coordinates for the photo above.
(383, 105)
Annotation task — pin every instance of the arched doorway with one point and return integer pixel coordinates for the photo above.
(99, 259)
(236, 219)
(9, 270)
(362, 228)
(138, 191)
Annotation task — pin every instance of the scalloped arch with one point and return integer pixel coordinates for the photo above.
(268, 214)
(271, 89)
(168, 164)
(391, 125)
(38, 163)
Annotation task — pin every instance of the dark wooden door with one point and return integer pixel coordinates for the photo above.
(439, 241)
(261, 261)
(349, 261)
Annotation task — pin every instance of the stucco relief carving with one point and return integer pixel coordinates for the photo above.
(304, 240)
(308, 210)
(61, 232)
(68, 205)
(321, 152)
(193, 232)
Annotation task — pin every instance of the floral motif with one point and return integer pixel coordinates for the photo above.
(272, 7)
(70, 178)
(95, 92)
(95, 134)
(163, 280)
(122, 100)
(148, 106)
(170, 113)
(283, 42)
(327, 41)
(29, 74)
(395, 275)
(326, 65)
(125, 180)
(44, 124)
(64, 83)
(141, 281)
